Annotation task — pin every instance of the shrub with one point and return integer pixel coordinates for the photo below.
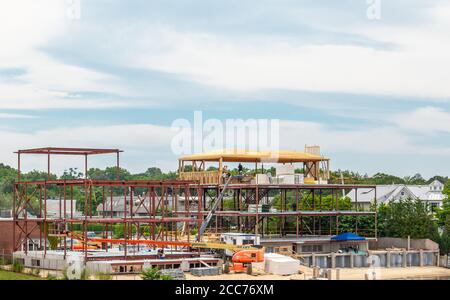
(17, 266)
(151, 274)
(166, 277)
(444, 243)
(154, 274)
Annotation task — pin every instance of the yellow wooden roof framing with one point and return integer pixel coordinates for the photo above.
(254, 156)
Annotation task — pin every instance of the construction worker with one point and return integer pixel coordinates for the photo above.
(240, 169)
(225, 174)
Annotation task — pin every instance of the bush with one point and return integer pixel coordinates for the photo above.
(154, 274)
(17, 266)
(84, 275)
(151, 274)
(444, 243)
(165, 277)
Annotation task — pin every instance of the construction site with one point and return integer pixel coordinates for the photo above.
(209, 221)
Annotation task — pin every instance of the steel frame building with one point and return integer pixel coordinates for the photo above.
(159, 221)
(301, 194)
(163, 216)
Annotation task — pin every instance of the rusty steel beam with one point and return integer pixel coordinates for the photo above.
(68, 151)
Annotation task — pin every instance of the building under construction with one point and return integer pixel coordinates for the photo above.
(294, 202)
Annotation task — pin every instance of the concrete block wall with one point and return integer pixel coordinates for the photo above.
(94, 267)
(50, 262)
(388, 259)
(387, 242)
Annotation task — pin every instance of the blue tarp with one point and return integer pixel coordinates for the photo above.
(348, 236)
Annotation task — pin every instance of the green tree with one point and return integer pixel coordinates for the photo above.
(72, 173)
(408, 218)
(443, 213)
(416, 179)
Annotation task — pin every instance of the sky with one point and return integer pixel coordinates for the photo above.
(367, 80)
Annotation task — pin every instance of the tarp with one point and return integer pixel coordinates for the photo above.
(348, 236)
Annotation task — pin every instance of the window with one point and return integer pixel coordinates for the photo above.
(349, 247)
(312, 248)
(35, 263)
(247, 242)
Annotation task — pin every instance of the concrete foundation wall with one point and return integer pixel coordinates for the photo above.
(387, 242)
(51, 262)
(383, 259)
(93, 267)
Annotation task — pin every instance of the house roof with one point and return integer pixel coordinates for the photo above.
(53, 208)
(118, 203)
(386, 193)
(254, 156)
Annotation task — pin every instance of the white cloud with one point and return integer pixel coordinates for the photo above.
(416, 67)
(32, 96)
(429, 120)
(148, 145)
(142, 143)
(14, 116)
(28, 26)
(389, 140)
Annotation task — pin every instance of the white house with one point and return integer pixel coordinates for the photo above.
(431, 194)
